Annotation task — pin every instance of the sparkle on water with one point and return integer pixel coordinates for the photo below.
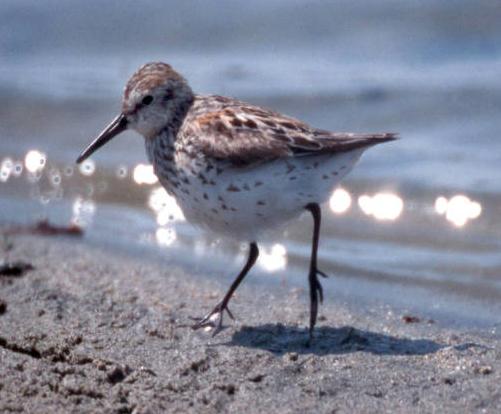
(165, 236)
(34, 161)
(122, 171)
(459, 209)
(55, 177)
(6, 169)
(274, 258)
(143, 174)
(165, 207)
(340, 201)
(68, 171)
(83, 212)
(382, 206)
(87, 168)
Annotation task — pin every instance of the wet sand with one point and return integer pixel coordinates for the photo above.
(94, 331)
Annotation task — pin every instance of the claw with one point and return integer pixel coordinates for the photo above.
(320, 291)
(322, 274)
(229, 313)
(213, 320)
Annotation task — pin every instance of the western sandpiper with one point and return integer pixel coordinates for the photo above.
(235, 168)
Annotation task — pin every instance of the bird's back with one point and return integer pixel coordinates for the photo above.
(227, 129)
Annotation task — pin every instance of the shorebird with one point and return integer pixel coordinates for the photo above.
(234, 168)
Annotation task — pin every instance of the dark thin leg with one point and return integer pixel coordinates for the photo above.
(217, 323)
(316, 291)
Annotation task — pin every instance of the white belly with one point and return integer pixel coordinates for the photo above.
(244, 203)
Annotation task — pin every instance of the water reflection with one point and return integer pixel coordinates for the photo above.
(6, 169)
(87, 168)
(143, 174)
(382, 206)
(165, 207)
(83, 212)
(46, 185)
(340, 201)
(34, 161)
(55, 177)
(165, 236)
(274, 258)
(18, 169)
(122, 171)
(68, 171)
(459, 209)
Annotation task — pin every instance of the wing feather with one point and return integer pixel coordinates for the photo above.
(243, 134)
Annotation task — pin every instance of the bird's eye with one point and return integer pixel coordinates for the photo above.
(147, 100)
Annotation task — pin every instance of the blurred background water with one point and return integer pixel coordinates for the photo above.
(414, 226)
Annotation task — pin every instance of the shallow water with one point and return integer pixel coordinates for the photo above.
(415, 224)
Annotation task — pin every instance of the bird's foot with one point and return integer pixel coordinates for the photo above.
(213, 320)
(316, 285)
(316, 295)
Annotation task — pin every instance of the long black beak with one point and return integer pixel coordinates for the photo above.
(118, 125)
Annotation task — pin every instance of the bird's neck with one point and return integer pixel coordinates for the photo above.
(177, 116)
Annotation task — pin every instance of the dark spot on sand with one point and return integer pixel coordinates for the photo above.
(293, 178)
(15, 269)
(325, 177)
(411, 319)
(118, 374)
(256, 378)
(206, 197)
(258, 183)
(214, 210)
(261, 203)
(3, 307)
(224, 206)
(20, 349)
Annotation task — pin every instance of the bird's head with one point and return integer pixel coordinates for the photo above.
(155, 97)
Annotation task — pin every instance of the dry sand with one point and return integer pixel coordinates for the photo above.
(93, 331)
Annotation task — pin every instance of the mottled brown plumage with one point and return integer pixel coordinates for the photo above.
(228, 129)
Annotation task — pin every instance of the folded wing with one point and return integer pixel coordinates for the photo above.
(244, 134)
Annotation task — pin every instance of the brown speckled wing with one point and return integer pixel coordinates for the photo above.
(243, 134)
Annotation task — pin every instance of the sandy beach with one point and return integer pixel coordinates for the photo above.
(94, 331)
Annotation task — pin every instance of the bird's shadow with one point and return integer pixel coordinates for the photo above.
(281, 339)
